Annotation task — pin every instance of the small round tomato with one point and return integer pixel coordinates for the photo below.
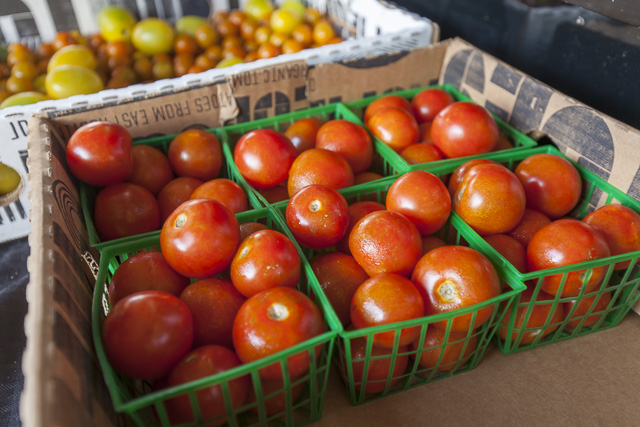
(318, 216)
(225, 191)
(385, 242)
(99, 153)
(213, 304)
(302, 133)
(151, 168)
(453, 277)
(464, 129)
(272, 321)
(396, 127)
(620, 227)
(196, 153)
(566, 242)
(431, 242)
(460, 172)
(248, 228)
(531, 222)
(145, 271)
(278, 402)
(600, 303)
(146, 334)
(552, 184)
(420, 152)
(152, 36)
(339, 276)
(363, 177)
(384, 102)
(200, 238)
(348, 139)
(357, 211)
(318, 166)
(275, 194)
(125, 209)
(176, 192)
(384, 299)
(264, 260)
(434, 346)
(429, 102)
(264, 157)
(421, 197)
(203, 362)
(538, 316)
(511, 249)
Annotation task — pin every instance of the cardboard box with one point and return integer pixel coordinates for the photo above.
(63, 383)
(370, 27)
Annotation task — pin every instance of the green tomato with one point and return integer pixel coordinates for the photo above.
(23, 98)
(152, 36)
(258, 9)
(115, 23)
(9, 179)
(294, 6)
(284, 21)
(228, 62)
(188, 24)
(75, 54)
(69, 80)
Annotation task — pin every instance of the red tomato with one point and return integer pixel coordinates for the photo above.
(384, 299)
(429, 102)
(196, 153)
(264, 260)
(200, 363)
(318, 166)
(511, 249)
(385, 242)
(302, 133)
(357, 211)
(275, 194)
(421, 152)
(225, 191)
(318, 216)
(272, 321)
(125, 209)
(461, 171)
(213, 304)
(278, 401)
(99, 153)
(145, 271)
(348, 139)
(600, 304)
(421, 197)
(531, 222)
(363, 177)
(453, 277)
(264, 157)
(464, 129)
(151, 168)
(620, 227)
(200, 238)
(175, 193)
(146, 334)
(433, 347)
(431, 242)
(248, 228)
(396, 127)
(536, 315)
(386, 101)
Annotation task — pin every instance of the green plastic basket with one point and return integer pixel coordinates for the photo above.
(146, 406)
(88, 193)
(385, 161)
(414, 375)
(520, 140)
(622, 284)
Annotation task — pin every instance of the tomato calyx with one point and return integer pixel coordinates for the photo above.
(448, 291)
(278, 312)
(315, 206)
(181, 220)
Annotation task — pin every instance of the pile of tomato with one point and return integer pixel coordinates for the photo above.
(127, 51)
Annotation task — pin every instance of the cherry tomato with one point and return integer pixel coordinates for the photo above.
(421, 152)
(248, 228)
(176, 192)
(453, 350)
(278, 402)
(68, 80)
(429, 102)
(146, 334)
(152, 35)
(531, 222)
(225, 191)
(302, 133)
(394, 126)
(620, 227)
(318, 166)
(79, 55)
(115, 23)
(196, 153)
(357, 211)
(348, 139)
(385, 102)
(459, 173)
(151, 168)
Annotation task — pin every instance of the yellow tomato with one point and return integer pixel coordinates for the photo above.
(23, 98)
(69, 80)
(228, 62)
(75, 54)
(9, 179)
(258, 9)
(188, 24)
(115, 23)
(152, 36)
(284, 21)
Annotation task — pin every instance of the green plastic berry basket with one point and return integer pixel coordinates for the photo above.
(385, 161)
(88, 193)
(145, 405)
(622, 286)
(517, 138)
(361, 389)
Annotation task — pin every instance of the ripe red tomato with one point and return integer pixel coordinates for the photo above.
(600, 304)
(278, 402)
(531, 222)
(200, 363)
(275, 194)
(357, 211)
(125, 209)
(453, 277)
(318, 216)
(99, 153)
(384, 299)
(539, 315)
(620, 227)
(302, 133)
(200, 238)
(464, 129)
(566, 242)
(421, 197)
(318, 166)
(264, 157)
(433, 346)
(552, 184)
(396, 127)
(431, 242)
(264, 260)
(213, 304)
(421, 152)
(175, 193)
(429, 102)
(363, 177)
(151, 168)
(511, 249)
(225, 191)
(384, 102)
(385, 242)
(145, 271)
(248, 228)
(146, 334)
(196, 153)
(348, 139)
(272, 321)
(460, 172)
